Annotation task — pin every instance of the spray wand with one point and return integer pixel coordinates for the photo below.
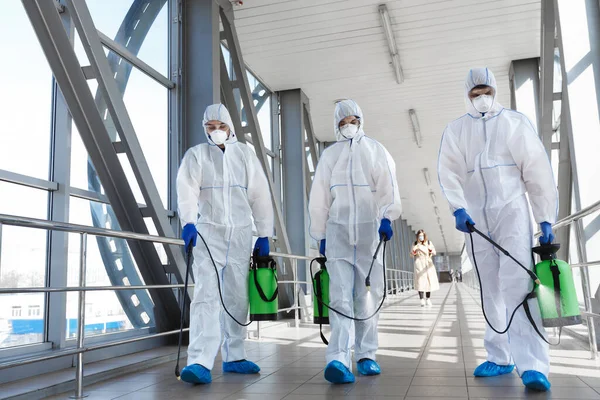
(368, 279)
(531, 274)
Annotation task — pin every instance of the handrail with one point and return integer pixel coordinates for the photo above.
(90, 230)
(569, 219)
(82, 289)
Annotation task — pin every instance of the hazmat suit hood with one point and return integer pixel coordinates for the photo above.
(343, 109)
(218, 112)
(481, 76)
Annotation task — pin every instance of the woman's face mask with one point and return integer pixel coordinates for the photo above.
(421, 238)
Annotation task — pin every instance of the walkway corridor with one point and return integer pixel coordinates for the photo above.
(425, 353)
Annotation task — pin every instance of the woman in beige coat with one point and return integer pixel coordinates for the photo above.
(425, 278)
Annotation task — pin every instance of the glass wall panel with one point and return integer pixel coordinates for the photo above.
(22, 264)
(26, 101)
(109, 262)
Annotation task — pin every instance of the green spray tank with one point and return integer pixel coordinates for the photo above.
(556, 293)
(262, 288)
(321, 291)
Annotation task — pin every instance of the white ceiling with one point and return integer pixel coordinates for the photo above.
(335, 49)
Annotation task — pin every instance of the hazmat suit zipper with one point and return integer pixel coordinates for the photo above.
(352, 196)
(227, 197)
(485, 146)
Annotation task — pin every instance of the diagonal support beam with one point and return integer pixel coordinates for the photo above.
(88, 33)
(69, 76)
(257, 138)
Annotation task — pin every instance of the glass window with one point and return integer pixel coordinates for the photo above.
(147, 105)
(141, 27)
(264, 119)
(22, 264)
(579, 31)
(109, 262)
(108, 15)
(25, 106)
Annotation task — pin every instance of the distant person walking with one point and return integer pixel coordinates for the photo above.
(425, 277)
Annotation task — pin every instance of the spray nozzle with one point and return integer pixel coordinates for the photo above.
(470, 226)
(368, 283)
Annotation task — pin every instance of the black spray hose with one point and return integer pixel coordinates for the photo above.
(182, 306)
(529, 296)
(219, 284)
(320, 300)
(531, 274)
(185, 288)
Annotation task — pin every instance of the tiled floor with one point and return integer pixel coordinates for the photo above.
(425, 353)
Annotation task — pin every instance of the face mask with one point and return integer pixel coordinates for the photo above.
(218, 137)
(349, 131)
(483, 103)
(421, 238)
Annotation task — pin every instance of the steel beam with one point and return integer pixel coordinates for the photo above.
(58, 209)
(248, 103)
(282, 243)
(176, 149)
(200, 66)
(116, 106)
(295, 200)
(524, 97)
(67, 71)
(135, 61)
(547, 47)
(29, 181)
(229, 100)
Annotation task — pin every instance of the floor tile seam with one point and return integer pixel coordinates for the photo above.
(287, 394)
(462, 347)
(434, 325)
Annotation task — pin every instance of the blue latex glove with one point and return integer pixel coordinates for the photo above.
(461, 220)
(189, 234)
(262, 246)
(385, 230)
(322, 247)
(547, 235)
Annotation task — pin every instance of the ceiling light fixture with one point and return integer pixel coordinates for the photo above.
(386, 22)
(427, 176)
(416, 128)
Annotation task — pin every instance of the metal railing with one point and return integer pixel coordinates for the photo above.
(575, 218)
(396, 280)
(84, 231)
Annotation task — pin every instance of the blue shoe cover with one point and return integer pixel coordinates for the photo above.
(366, 366)
(241, 367)
(535, 381)
(489, 368)
(196, 373)
(336, 372)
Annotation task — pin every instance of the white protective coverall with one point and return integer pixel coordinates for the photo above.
(486, 165)
(226, 189)
(353, 189)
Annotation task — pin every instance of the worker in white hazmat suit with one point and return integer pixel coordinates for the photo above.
(354, 195)
(489, 159)
(220, 187)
